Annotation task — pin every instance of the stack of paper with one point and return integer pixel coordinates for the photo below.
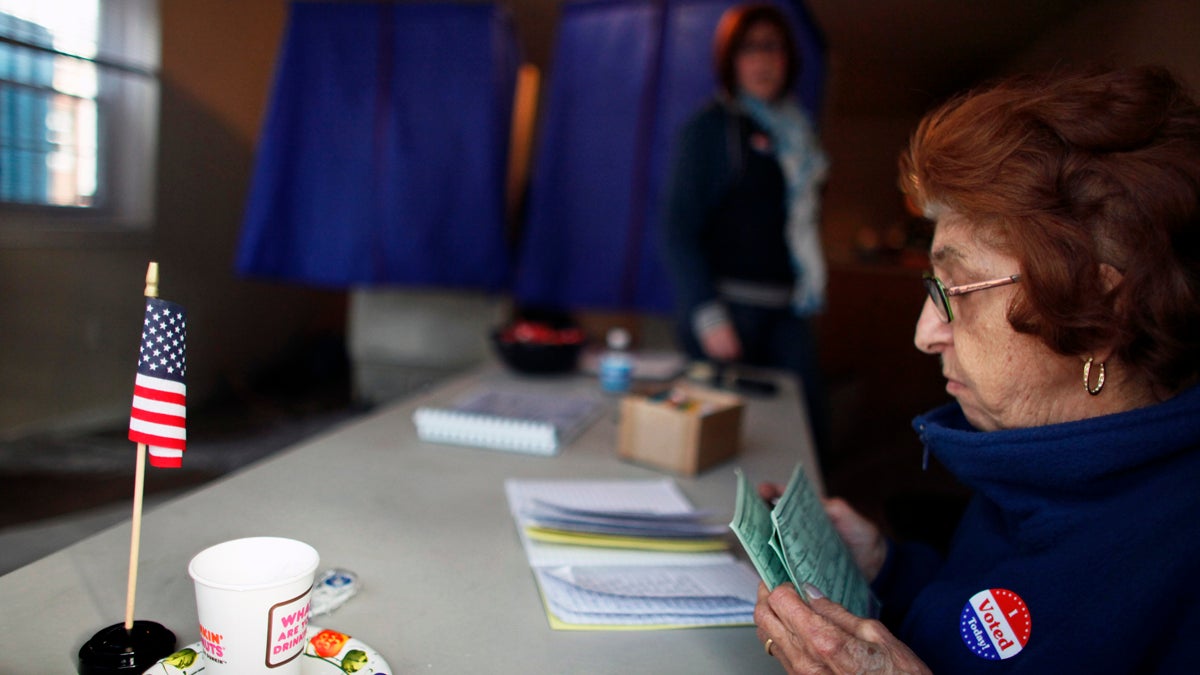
(628, 555)
(796, 542)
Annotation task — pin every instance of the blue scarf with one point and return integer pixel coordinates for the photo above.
(804, 168)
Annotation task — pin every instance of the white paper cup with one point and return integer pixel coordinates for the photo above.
(252, 601)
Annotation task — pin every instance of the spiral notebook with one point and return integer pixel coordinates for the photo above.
(509, 419)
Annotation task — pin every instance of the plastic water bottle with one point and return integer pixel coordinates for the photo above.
(616, 365)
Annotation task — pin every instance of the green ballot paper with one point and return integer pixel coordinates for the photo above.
(796, 542)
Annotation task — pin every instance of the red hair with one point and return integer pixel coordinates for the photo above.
(1070, 172)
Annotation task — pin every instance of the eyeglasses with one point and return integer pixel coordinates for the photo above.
(941, 295)
(767, 47)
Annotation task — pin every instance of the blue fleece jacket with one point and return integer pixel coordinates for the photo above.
(1078, 553)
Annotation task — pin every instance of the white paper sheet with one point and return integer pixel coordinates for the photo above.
(735, 580)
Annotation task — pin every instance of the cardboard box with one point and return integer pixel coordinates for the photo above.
(688, 432)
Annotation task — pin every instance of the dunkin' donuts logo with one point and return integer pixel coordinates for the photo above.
(211, 642)
(995, 624)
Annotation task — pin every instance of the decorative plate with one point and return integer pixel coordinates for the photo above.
(328, 652)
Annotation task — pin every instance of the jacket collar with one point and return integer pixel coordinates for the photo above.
(1076, 457)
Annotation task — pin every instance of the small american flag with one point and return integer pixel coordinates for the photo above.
(159, 413)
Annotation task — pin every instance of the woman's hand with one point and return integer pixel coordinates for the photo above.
(866, 543)
(770, 492)
(822, 637)
(720, 343)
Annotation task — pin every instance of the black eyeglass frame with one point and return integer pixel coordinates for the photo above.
(941, 294)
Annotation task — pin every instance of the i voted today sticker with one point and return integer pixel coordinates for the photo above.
(995, 624)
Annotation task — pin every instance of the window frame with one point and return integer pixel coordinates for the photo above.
(127, 110)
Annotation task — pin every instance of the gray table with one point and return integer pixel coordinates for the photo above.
(445, 584)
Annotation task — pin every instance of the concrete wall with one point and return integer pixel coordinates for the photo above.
(862, 190)
(1125, 32)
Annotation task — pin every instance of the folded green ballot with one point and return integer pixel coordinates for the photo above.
(796, 542)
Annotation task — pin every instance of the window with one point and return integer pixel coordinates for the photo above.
(78, 114)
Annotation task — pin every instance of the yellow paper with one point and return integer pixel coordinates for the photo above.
(615, 541)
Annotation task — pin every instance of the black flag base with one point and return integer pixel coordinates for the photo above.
(116, 650)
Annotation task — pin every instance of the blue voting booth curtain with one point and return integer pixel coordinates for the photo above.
(625, 75)
(383, 155)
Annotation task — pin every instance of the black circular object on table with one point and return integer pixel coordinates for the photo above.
(534, 357)
(116, 650)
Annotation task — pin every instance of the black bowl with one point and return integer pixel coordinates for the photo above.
(536, 357)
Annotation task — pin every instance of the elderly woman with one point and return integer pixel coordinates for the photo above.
(1064, 305)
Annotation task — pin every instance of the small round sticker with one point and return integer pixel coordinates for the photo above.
(760, 142)
(995, 624)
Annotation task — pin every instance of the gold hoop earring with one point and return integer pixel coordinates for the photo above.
(1087, 377)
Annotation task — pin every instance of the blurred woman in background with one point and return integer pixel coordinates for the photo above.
(741, 238)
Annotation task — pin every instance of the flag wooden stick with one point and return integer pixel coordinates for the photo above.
(139, 483)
